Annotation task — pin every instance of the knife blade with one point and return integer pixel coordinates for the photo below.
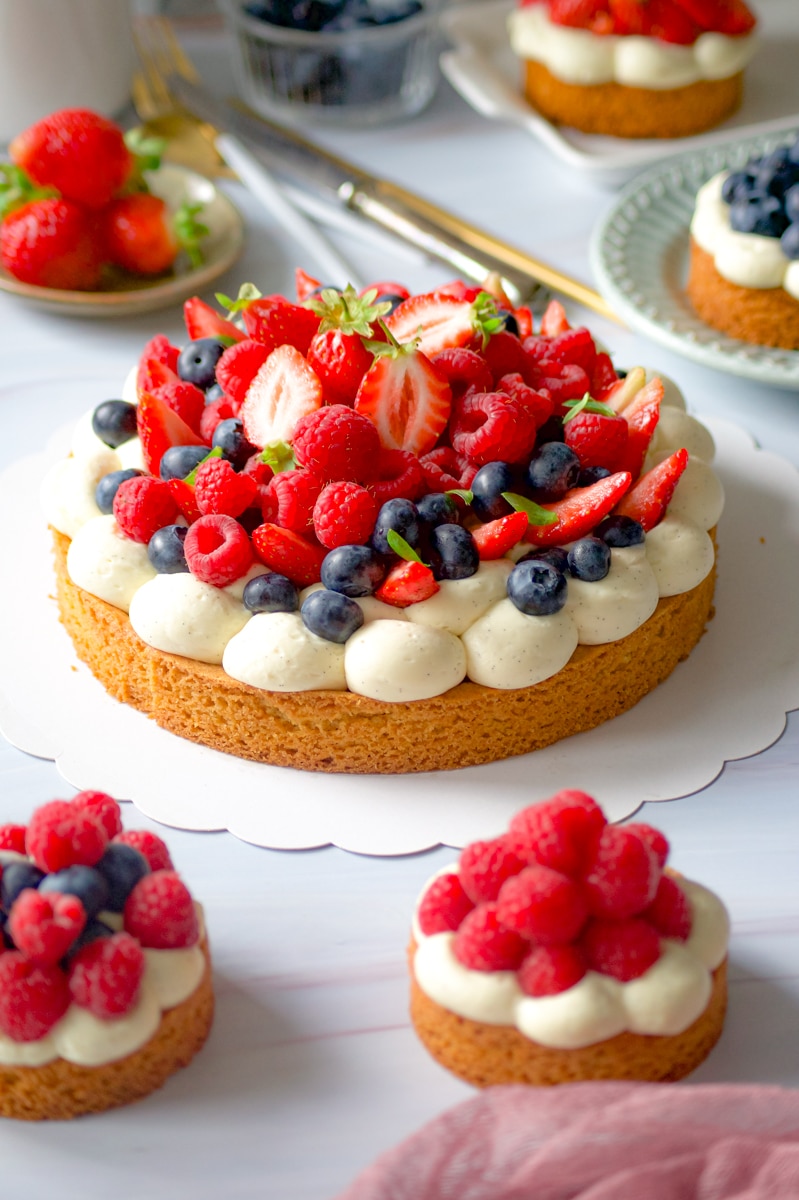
(473, 253)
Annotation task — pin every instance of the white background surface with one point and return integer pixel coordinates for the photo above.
(312, 1068)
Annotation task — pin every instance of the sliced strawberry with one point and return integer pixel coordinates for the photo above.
(496, 538)
(184, 399)
(154, 373)
(505, 355)
(183, 495)
(275, 321)
(304, 284)
(440, 321)
(671, 23)
(524, 321)
(597, 439)
(623, 391)
(238, 366)
(581, 14)
(407, 583)
(163, 352)
(202, 321)
(289, 554)
(159, 428)
(574, 346)
(720, 16)
(284, 390)
(642, 416)
(554, 320)
(648, 500)
(406, 397)
(580, 510)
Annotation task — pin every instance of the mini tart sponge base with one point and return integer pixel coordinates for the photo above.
(765, 316)
(632, 112)
(341, 732)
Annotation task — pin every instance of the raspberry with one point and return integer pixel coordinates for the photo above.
(623, 949)
(563, 381)
(574, 346)
(548, 970)
(185, 399)
(150, 845)
(32, 997)
(444, 470)
(491, 427)
(44, 926)
(670, 911)
(217, 550)
(482, 944)
(12, 837)
(218, 489)
(443, 906)
(653, 838)
(505, 354)
(106, 975)
(62, 835)
(542, 906)
(160, 912)
(560, 833)
(399, 474)
(623, 875)
(292, 496)
(463, 368)
(143, 505)
(538, 403)
(102, 806)
(484, 867)
(344, 515)
(214, 413)
(337, 443)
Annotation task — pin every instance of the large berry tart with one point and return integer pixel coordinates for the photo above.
(744, 272)
(105, 976)
(313, 539)
(563, 951)
(634, 68)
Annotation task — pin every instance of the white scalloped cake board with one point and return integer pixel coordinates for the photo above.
(727, 701)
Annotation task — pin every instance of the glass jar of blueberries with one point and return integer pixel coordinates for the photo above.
(339, 63)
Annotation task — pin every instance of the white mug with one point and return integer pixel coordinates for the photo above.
(62, 54)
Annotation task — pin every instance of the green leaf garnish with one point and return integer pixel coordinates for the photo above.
(17, 188)
(536, 514)
(279, 456)
(247, 293)
(464, 493)
(586, 405)
(401, 547)
(192, 475)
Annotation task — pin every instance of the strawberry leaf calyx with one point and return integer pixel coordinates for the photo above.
(347, 311)
(279, 456)
(391, 348)
(486, 318)
(190, 232)
(588, 405)
(401, 548)
(536, 514)
(147, 152)
(247, 293)
(17, 188)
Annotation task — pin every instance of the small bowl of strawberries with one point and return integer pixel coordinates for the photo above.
(92, 222)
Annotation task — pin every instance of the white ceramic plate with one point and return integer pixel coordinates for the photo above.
(484, 70)
(220, 250)
(639, 255)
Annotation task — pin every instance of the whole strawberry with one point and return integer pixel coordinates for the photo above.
(141, 235)
(76, 151)
(50, 243)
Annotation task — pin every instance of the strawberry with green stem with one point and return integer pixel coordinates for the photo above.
(338, 351)
(141, 235)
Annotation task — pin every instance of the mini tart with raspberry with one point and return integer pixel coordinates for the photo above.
(634, 68)
(565, 951)
(105, 971)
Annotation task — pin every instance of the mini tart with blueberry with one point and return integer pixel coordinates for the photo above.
(634, 68)
(744, 265)
(565, 951)
(105, 972)
(322, 528)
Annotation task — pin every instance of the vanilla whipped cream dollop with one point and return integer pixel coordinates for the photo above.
(181, 615)
(104, 562)
(578, 56)
(506, 648)
(277, 652)
(613, 607)
(665, 1000)
(747, 259)
(400, 660)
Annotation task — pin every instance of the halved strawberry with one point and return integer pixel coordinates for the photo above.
(580, 510)
(183, 495)
(648, 499)
(284, 389)
(289, 554)
(408, 582)
(554, 320)
(524, 321)
(496, 538)
(203, 321)
(406, 397)
(159, 428)
(642, 416)
(440, 321)
(238, 366)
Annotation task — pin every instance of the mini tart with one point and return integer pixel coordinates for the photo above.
(484, 1055)
(342, 732)
(59, 1089)
(632, 112)
(765, 316)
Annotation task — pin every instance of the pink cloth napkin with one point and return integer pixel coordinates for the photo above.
(599, 1141)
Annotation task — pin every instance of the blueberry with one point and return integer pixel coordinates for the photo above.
(399, 515)
(453, 553)
(789, 242)
(352, 570)
(92, 930)
(84, 882)
(553, 469)
(763, 216)
(165, 550)
(213, 393)
(511, 324)
(197, 361)
(331, 616)
(271, 593)
(229, 438)
(552, 429)
(179, 461)
(590, 475)
(776, 173)
(556, 556)
(487, 487)
(437, 508)
(121, 867)
(791, 203)
(620, 531)
(537, 588)
(589, 559)
(250, 519)
(736, 186)
(108, 487)
(16, 877)
(114, 422)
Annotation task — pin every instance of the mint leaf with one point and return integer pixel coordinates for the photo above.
(401, 547)
(464, 493)
(536, 514)
(586, 405)
(192, 475)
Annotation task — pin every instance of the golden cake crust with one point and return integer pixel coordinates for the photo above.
(59, 1089)
(765, 316)
(484, 1055)
(342, 732)
(632, 112)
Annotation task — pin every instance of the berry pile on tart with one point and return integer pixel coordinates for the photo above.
(105, 985)
(564, 950)
(634, 68)
(323, 523)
